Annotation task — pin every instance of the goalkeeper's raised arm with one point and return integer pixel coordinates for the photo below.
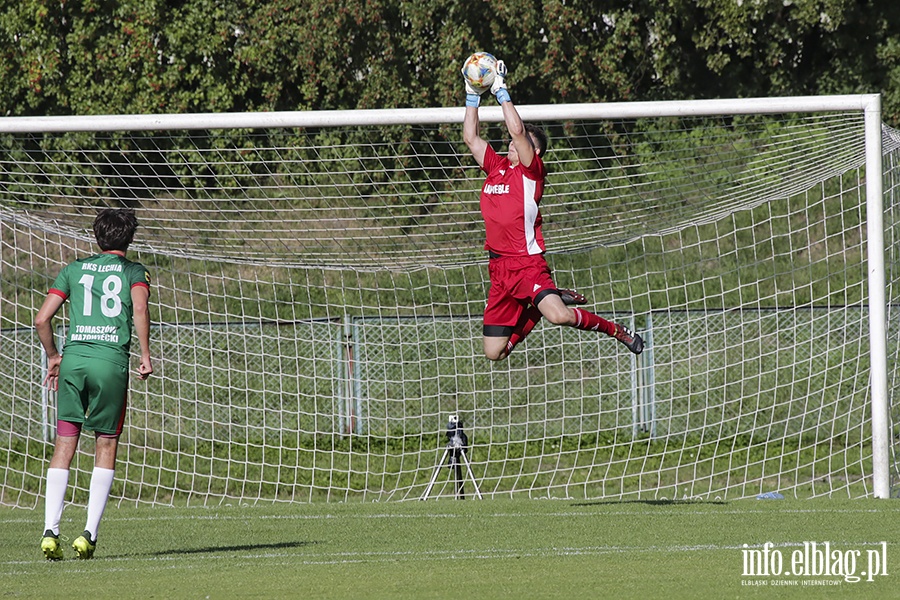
(521, 140)
(476, 144)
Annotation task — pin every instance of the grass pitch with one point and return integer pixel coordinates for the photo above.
(444, 548)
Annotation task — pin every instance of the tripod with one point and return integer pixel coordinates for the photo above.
(455, 454)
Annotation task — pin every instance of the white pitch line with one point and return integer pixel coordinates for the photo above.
(515, 515)
(175, 561)
(167, 562)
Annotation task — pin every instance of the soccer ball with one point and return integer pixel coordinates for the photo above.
(478, 71)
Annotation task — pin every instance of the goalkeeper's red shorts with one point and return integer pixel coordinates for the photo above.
(516, 281)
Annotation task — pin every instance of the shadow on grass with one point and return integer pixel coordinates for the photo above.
(652, 502)
(236, 548)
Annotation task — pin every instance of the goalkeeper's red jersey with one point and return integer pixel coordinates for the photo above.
(509, 205)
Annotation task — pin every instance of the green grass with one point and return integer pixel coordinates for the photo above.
(451, 549)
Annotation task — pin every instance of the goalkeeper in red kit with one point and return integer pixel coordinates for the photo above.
(522, 289)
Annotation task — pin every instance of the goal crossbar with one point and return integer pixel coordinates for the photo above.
(870, 103)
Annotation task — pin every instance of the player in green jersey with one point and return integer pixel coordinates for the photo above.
(106, 294)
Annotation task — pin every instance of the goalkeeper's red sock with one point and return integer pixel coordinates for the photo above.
(588, 321)
(527, 321)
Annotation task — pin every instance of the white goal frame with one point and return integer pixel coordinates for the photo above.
(868, 104)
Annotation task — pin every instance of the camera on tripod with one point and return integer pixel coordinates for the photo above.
(456, 455)
(456, 436)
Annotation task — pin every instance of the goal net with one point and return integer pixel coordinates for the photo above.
(319, 281)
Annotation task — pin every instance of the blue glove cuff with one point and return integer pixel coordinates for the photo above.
(473, 100)
(502, 95)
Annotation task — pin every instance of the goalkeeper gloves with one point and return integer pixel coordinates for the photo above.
(473, 97)
(498, 88)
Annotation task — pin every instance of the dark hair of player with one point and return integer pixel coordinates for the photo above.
(114, 228)
(539, 136)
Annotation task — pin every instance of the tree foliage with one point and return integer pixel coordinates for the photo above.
(94, 57)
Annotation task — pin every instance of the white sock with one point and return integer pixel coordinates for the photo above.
(57, 482)
(101, 482)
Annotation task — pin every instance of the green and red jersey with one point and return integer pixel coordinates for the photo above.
(98, 289)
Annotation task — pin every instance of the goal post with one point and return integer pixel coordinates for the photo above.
(877, 298)
(318, 282)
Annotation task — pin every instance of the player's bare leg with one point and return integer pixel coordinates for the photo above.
(495, 347)
(63, 451)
